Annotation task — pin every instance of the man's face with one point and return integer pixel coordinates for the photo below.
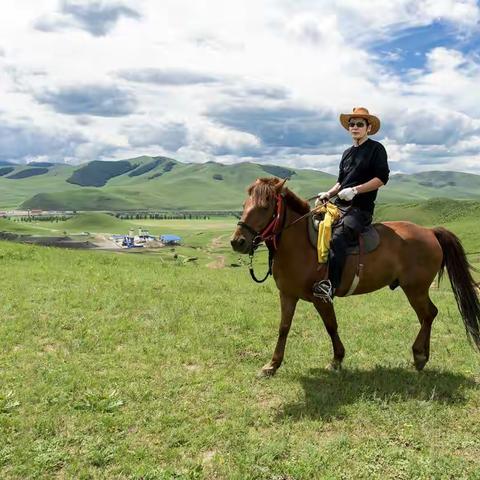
(358, 128)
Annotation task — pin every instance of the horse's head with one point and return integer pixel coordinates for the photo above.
(259, 209)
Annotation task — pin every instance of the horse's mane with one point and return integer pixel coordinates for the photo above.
(263, 191)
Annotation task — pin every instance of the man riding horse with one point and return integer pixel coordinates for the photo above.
(363, 170)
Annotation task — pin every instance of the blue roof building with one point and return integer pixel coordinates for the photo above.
(170, 239)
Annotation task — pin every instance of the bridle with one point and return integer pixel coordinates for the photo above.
(271, 234)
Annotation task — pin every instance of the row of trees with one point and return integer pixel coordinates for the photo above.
(40, 218)
(161, 216)
(186, 215)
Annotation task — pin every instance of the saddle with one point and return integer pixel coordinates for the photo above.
(370, 236)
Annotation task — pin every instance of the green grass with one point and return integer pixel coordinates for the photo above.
(134, 367)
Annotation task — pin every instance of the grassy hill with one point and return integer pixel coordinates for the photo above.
(95, 222)
(461, 217)
(82, 199)
(164, 183)
(431, 212)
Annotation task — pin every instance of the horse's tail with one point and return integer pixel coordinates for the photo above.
(463, 285)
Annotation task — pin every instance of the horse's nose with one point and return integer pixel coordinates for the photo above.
(237, 243)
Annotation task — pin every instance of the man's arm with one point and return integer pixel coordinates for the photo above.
(373, 184)
(348, 193)
(334, 190)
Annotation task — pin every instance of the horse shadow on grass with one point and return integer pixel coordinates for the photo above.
(327, 393)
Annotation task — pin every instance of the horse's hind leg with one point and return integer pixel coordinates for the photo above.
(426, 312)
(327, 313)
(287, 305)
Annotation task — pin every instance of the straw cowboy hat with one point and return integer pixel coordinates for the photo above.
(361, 112)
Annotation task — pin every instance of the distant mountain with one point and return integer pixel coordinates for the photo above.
(164, 183)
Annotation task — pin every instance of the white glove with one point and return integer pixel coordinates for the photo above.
(347, 193)
(322, 197)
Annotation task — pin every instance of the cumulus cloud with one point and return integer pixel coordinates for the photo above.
(222, 141)
(442, 58)
(450, 80)
(435, 126)
(248, 92)
(97, 100)
(318, 30)
(462, 13)
(283, 126)
(22, 142)
(98, 17)
(389, 18)
(170, 136)
(160, 76)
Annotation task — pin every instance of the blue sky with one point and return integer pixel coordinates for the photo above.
(409, 46)
(258, 80)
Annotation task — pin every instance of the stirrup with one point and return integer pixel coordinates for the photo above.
(324, 290)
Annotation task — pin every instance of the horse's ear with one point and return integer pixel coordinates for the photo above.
(279, 186)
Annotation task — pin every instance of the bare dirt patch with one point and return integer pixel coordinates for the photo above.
(219, 262)
(217, 242)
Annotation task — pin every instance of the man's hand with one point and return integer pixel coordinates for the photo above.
(322, 197)
(347, 193)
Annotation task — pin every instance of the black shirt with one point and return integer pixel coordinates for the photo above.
(359, 165)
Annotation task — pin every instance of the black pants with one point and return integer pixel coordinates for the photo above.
(345, 235)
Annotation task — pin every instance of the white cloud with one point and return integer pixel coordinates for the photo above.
(97, 17)
(461, 13)
(253, 80)
(224, 141)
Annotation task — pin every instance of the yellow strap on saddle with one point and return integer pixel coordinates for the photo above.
(332, 214)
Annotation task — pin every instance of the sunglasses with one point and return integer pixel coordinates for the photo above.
(358, 124)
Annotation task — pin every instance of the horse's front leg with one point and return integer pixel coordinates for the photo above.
(287, 304)
(326, 311)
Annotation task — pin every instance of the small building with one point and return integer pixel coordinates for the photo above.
(144, 235)
(170, 239)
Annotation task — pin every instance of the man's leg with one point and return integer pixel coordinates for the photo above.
(356, 220)
(338, 254)
(353, 224)
(325, 289)
(345, 235)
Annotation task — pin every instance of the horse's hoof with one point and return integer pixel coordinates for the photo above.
(334, 366)
(267, 370)
(420, 361)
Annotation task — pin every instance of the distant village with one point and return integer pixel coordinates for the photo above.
(144, 239)
(141, 239)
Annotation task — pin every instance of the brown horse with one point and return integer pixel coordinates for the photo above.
(408, 256)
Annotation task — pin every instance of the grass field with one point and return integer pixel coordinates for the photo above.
(134, 367)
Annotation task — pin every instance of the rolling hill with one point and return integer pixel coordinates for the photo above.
(158, 183)
(95, 222)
